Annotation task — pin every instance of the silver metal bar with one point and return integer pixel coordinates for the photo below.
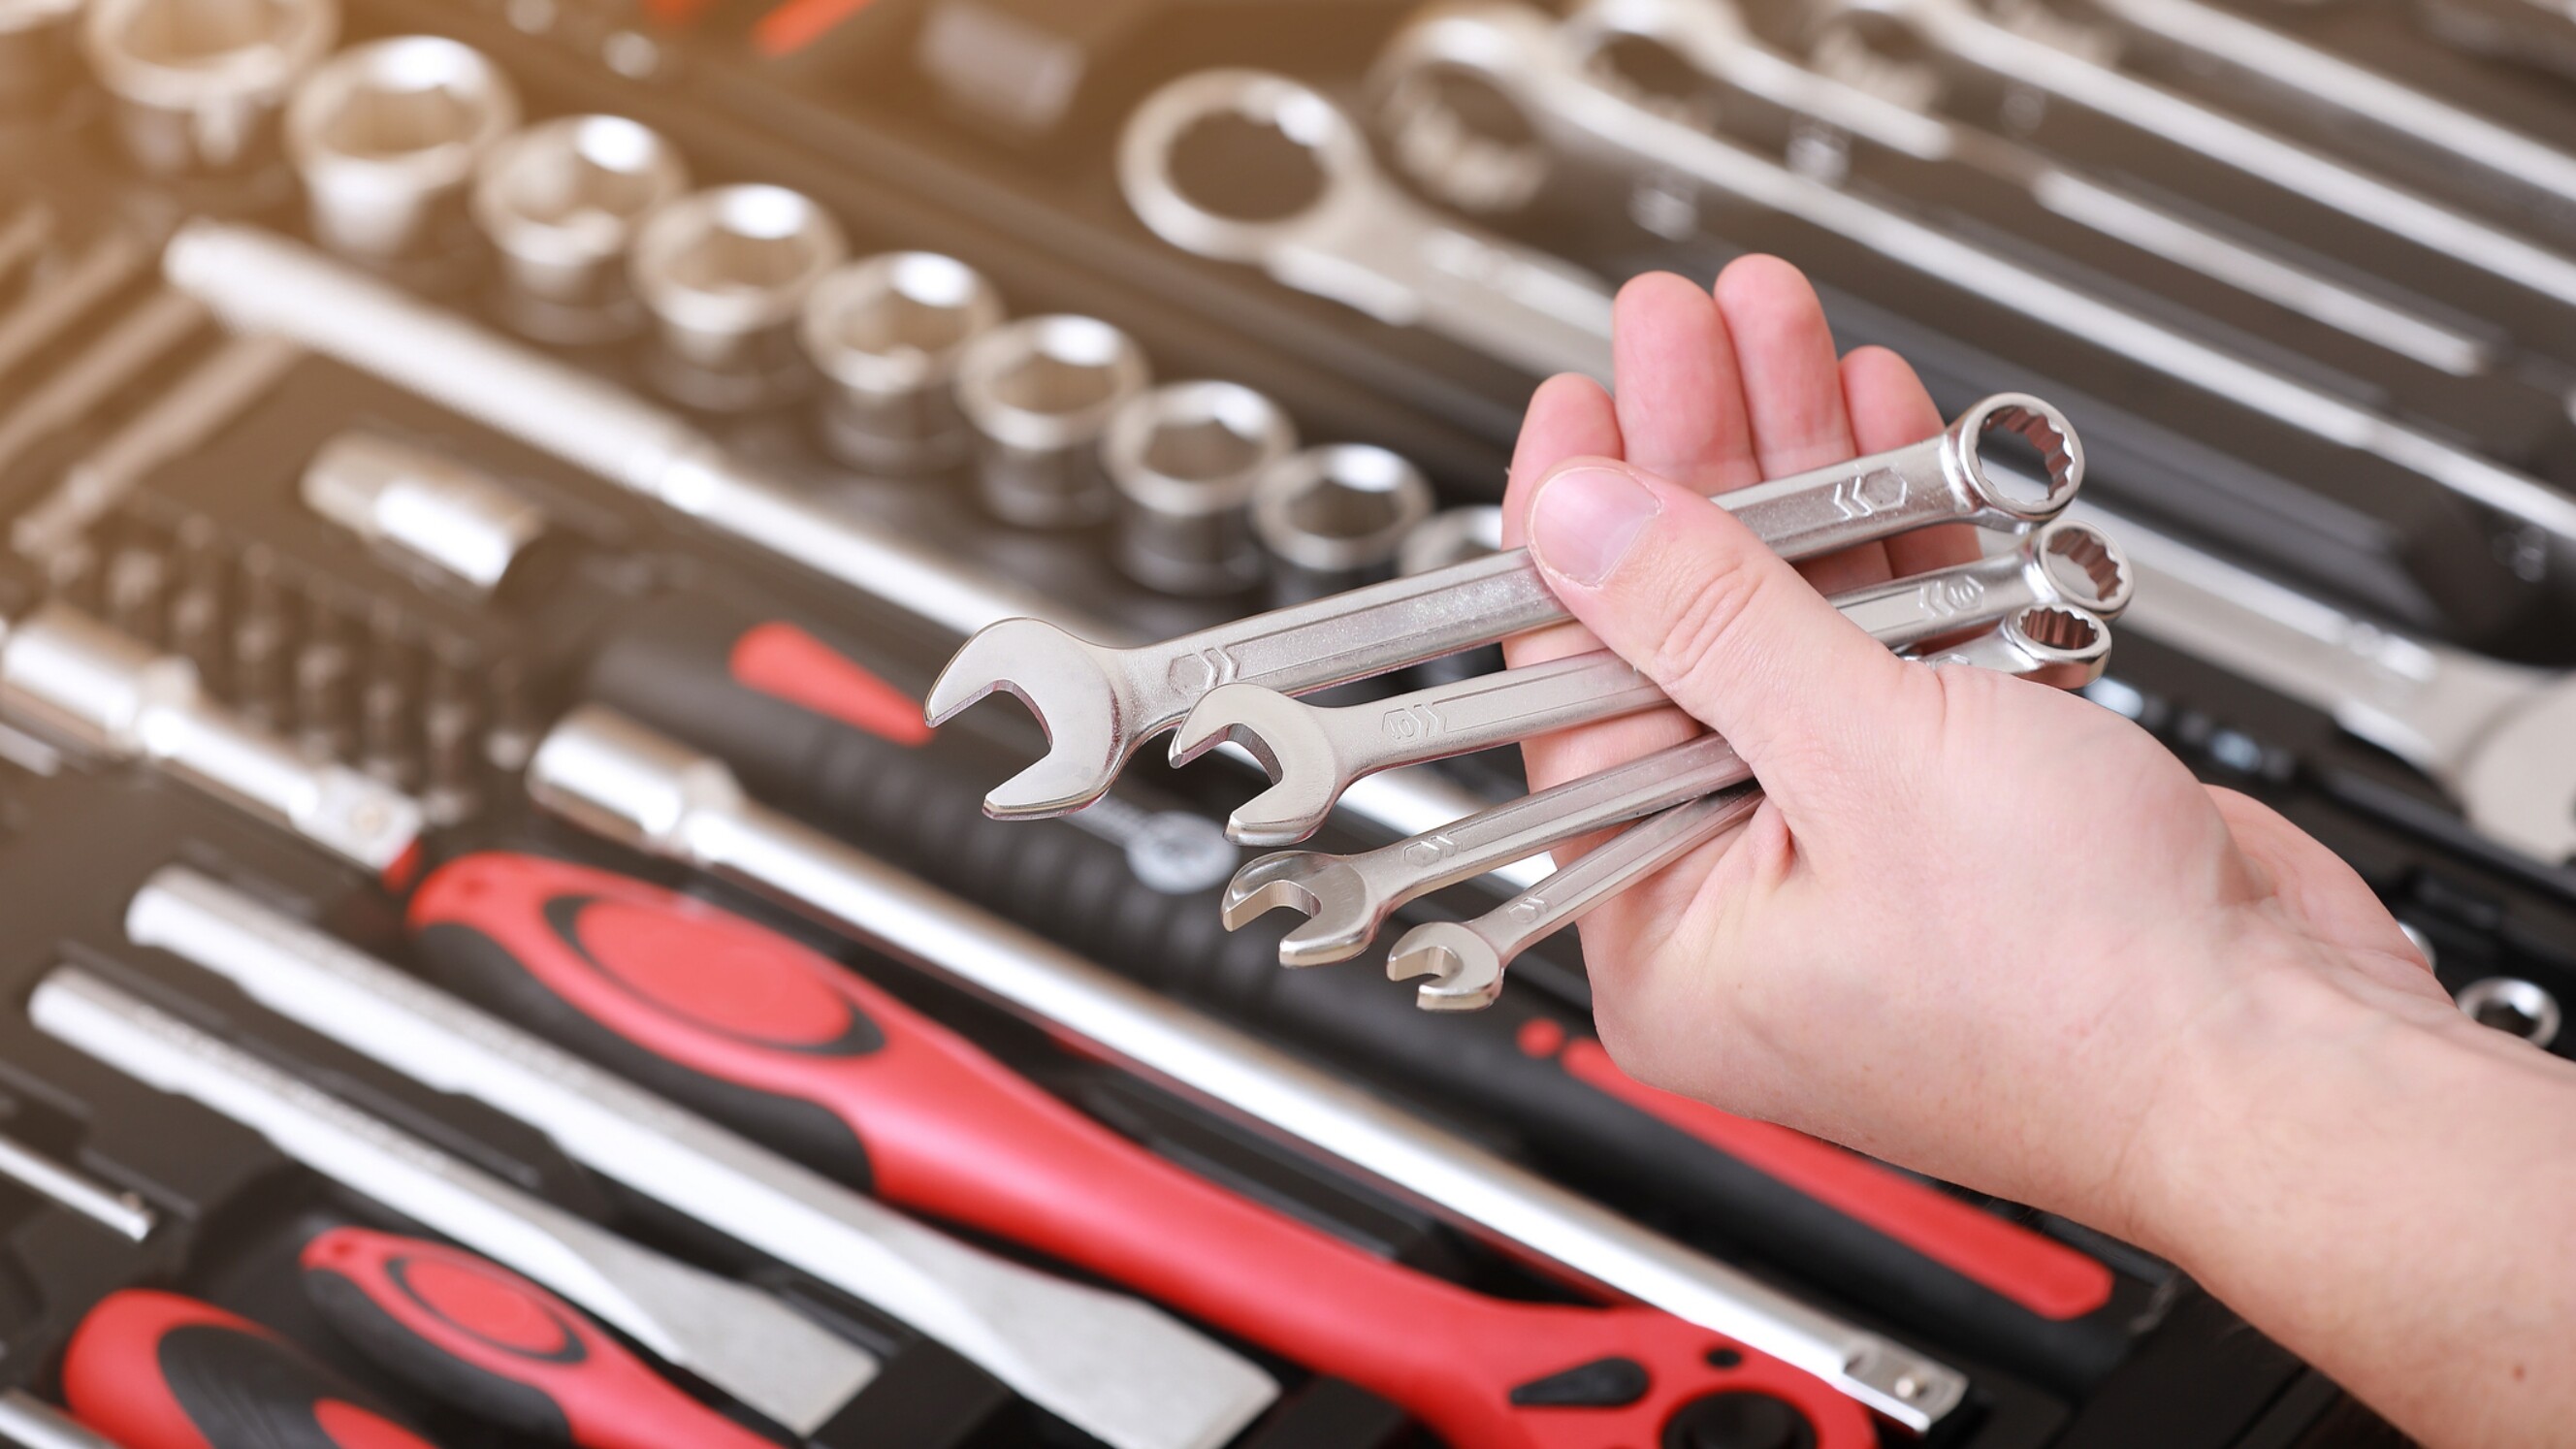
(743, 1341)
(121, 1213)
(74, 391)
(621, 781)
(1105, 1363)
(199, 405)
(112, 697)
(31, 1423)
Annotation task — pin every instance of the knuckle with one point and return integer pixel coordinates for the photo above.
(1697, 648)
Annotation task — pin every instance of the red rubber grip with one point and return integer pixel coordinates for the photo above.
(2041, 1274)
(155, 1370)
(784, 662)
(949, 1132)
(498, 1345)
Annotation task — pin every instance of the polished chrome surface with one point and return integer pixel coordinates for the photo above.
(423, 503)
(198, 83)
(387, 136)
(562, 200)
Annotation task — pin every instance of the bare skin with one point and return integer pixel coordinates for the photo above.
(1996, 933)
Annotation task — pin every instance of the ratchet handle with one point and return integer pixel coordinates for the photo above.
(753, 1028)
(155, 1370)
(488, 1341)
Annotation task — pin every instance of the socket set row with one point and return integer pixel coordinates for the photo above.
(491, 488)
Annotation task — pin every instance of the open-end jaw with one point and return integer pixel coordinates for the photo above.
(1077, 690)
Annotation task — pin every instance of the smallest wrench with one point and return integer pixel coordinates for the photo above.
(2059, 647)
(1362, 242)
(1314, 753)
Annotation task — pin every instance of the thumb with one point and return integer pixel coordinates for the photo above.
(1731, 632)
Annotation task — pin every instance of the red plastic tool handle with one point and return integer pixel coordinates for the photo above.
(155, 1370)
(490, 1342)
(752, 1027)
(2041, 1274)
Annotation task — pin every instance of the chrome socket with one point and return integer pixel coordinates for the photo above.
(1039, 393)
(562, 202)
(1185, 459)
(110, 697)
(424, 506)
(198, 83)
(387, 135)
(1334, 518)
(886, 332)
(725, 273)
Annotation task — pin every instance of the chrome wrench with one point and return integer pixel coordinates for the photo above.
(1112, 1367)
(1363, 242)
(1314, 753)
(1525, 56)
(2063, 648)
(1347, 898)
(1099, 704)
(745, 1342)
(616, 779)
(1711, 36)
(2500, 738)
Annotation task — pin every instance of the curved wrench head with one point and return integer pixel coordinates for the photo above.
(2011, 498)
(1074, 689)
(2519, 787)
(1290, 741)
(2061, 648)
(2083, 567)
(1343, 913)
(1466, 970)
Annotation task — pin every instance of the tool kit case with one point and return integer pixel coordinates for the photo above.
(178, 485)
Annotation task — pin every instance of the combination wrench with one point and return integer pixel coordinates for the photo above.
(1534, 62)
(2061, 648)
(1347, 898)
(2499, 737)
(1363, 242)
(1711, 37)
(2022, 57)
(1314, 753)
(1099, 704)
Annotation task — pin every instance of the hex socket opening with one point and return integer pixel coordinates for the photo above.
(1340, 509)
(894, 325)
(726, 268)
(198, 80)
(563, 201)
(2513, 1005)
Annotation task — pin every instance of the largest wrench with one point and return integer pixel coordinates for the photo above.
(1099, 704)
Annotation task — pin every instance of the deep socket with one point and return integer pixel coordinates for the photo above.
(1333, 518)
(198, 83)
(725, 273)
(1038, 394)
(561, 203)
(386, 136)
(1185, 458)
(423, 505)
(886, 333)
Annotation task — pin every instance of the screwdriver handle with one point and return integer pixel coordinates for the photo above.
(480, 1337)
(747, 1025)
(155, 1370)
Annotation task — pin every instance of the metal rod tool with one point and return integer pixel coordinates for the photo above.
(120, 1212)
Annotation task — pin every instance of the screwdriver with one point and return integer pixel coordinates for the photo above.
(809, 716)
(154, 1370)
(744, 1024)
(481, 1337)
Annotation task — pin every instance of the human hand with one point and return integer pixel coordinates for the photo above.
(1980, 927)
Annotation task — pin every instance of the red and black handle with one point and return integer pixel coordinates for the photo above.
(754, 1029)
(475, 1335)
(154, 1370)
(807, 717)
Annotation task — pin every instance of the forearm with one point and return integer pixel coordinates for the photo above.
(2390, 1193)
